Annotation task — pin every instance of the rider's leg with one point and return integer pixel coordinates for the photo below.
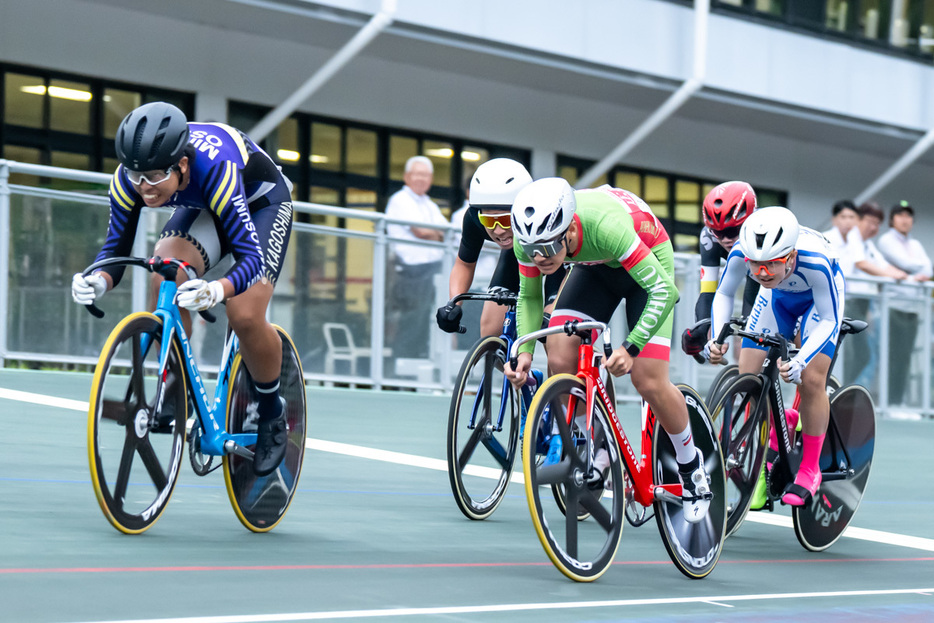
(815, 415)
(180, 249)
(751, 360)
(650, 378)
(491, 318)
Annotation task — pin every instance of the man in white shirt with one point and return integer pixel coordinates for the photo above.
(843, 232)
(861, 351)
(411, 294)
(901, 250)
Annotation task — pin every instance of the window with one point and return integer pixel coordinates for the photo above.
(675, 199)
(69, 121)
(904, 25)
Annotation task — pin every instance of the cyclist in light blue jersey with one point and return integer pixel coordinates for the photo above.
(801, 279)
(228, 197)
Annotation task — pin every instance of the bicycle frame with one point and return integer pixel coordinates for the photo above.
(215, 439)
(639, 467)
(508, 335)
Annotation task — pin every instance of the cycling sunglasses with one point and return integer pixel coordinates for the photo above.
(490, 221)
(726, 232)
(152, 177)
(545, 249)
(763, 267)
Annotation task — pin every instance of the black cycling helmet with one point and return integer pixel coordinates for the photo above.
(152, 137)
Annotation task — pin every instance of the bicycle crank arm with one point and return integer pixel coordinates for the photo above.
(837, 475)
(232, 447)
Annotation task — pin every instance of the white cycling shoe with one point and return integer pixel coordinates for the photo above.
(695, 484)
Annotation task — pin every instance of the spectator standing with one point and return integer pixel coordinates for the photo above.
(904, 252)
(412, 288)
(842, 234)
(861, 351)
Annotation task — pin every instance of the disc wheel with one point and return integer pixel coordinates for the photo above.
(134, 440)
(744, 430)
(845, 461)
(483, 430)
(694, 548)
(260, 502)
(581, 550)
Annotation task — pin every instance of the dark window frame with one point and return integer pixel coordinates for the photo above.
(94, 144)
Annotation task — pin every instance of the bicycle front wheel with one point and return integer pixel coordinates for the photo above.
(724, 376)
(260, 502)
(744, 433)
(845, 461)
(693, 547)
(483, 430)
(581, 550)
(134, 439)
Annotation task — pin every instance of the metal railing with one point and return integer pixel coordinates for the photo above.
(339, 279)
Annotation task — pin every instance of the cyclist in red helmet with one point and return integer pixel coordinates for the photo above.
(725, 209)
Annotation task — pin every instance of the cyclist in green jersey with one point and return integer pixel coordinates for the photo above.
(618, 250)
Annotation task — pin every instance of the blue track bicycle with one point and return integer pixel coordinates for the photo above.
(144, 385)
(486, 418)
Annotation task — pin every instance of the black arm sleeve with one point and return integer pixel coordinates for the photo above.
(472, 239)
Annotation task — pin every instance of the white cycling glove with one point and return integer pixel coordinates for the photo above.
(706, 353)
(793, 374)
(200, 295)
(86, 290)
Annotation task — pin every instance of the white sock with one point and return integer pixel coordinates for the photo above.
(684, 445)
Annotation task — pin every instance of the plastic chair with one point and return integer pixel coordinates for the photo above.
(341, 347)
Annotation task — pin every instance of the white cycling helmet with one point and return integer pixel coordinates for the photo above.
(769, 233)
(496, 183)
(543, 210)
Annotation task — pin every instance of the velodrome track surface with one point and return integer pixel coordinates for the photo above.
(374, 533)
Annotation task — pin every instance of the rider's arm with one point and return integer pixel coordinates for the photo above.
(648, 272)
(125, 208)
(468, 252)
(531, 303)
(223, 194)
(709, 273)
(828, 303)
(461, 277)
(733, 275)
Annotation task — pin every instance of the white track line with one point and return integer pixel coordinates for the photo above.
(718, 600)
(413, 460)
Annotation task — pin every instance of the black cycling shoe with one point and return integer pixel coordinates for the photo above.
(271, 439)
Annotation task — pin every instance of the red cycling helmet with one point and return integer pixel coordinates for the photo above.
(728, 205)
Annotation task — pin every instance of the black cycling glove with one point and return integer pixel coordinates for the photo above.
(449, 318)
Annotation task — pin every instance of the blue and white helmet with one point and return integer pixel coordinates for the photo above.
(769, 233)
(543, 210)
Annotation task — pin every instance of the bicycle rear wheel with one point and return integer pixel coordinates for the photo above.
(134, 443)
(581, 550)
(693, 547)
(846, 459)
(744, 430)
(260, 502)
(481, 449)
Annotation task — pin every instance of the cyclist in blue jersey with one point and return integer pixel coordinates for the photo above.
(801, 279)
(228, 197)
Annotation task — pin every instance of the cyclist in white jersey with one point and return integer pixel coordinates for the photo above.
(801, 279)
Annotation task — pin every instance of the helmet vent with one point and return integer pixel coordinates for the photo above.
(157, 143)
(529, 211)
(165, 123)
(138, 138)
(760, 240)
(510, 180)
